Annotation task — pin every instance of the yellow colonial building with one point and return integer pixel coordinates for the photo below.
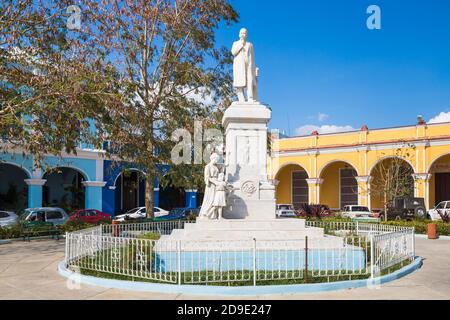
(341, 168)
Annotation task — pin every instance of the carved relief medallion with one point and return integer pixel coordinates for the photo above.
(248, 188)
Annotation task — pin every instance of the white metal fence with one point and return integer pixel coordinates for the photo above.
(134, 230)
(363, 250)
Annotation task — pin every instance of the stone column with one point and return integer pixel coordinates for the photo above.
(314, 190)
(35, 192)
(156, 197)
(191, 198)
(422, 187)
(93, 194)
(364, 190)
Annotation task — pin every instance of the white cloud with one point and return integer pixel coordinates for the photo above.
(441, 117)
(322, 117)
(309, 128)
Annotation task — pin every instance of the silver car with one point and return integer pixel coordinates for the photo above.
(57, 216)
(8, 218)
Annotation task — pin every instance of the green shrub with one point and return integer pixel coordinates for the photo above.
(420, 225)
(150, 236)
(11, 232)
(74, 225)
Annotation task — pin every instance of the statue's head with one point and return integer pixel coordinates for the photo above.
(243, 34)
(214, 158)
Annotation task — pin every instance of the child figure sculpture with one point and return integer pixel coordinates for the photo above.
(220, 196)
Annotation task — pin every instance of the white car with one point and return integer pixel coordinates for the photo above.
(354, 211)
(159, 212)
(285, 211)
(8, 218)
(443, 207)
(140, 212)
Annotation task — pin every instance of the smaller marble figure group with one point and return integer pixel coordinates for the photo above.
(214, 199)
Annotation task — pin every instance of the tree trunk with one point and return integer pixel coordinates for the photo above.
(149, 193)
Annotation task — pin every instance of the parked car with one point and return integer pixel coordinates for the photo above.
(180, 213)
(8, 218)
(285, 211)
(405, 208)
(89, 216)
(442, 208)
(135, 213)
(141, 212)
(159, 212)
(57, 216)
(354, 211)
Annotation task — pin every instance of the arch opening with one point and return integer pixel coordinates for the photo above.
(439, 184)
(292, 187)
(13, 189)
(171, 197)
(129, 191)
(64, 188)
(339, 186)
(392, 177)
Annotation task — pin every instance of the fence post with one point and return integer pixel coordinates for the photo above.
(254, 261)
(179, 261)
(357, 228)
(66, 262)
(413, 231)
(306, 258)
(372, 256)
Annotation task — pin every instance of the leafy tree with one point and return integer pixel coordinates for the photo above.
(50, 92)
(167, 65)
(138, 70)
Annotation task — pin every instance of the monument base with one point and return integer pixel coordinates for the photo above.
(239, 233)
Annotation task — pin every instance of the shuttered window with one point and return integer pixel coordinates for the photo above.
(349, 187)
(299, 188)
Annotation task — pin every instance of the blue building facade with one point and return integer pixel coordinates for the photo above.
(103, 185)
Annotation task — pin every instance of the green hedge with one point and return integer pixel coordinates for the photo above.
(76, 225)
(11, 232)
(420, 226)
(16, 231)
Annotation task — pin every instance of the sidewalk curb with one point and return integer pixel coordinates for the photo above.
(424, 236)
(238, 290)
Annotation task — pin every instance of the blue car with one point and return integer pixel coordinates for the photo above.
(179, 213)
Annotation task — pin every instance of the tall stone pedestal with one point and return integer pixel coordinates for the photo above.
(253, 197)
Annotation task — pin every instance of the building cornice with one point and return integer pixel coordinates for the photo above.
(382, 145)
(81, 153)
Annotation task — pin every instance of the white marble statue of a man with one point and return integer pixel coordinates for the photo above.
(244, 70)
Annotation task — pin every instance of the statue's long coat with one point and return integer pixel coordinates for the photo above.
(244, 69)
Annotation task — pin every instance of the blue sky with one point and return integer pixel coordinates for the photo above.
(321, 66)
